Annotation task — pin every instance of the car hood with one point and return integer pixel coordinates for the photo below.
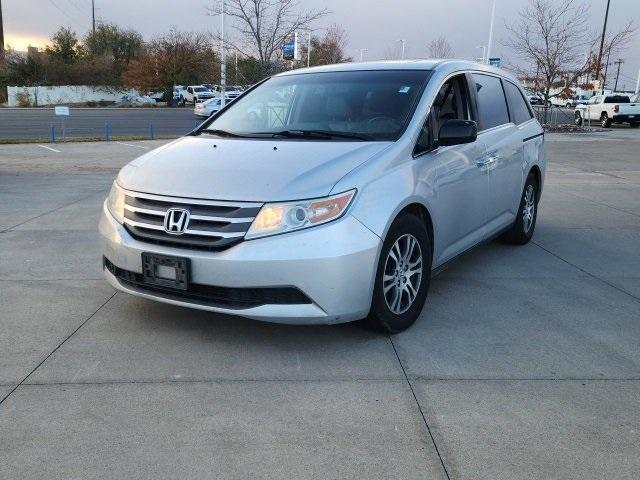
(246, 169)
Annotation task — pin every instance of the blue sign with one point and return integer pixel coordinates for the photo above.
(494, 62)
(289, 48)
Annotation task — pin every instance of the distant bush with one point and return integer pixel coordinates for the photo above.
(23, 99)
(92, 103)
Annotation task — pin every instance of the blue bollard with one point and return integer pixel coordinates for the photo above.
(152, 132)
(52, 130)
(107, 132)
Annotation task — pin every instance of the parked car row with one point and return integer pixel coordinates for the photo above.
(200, 93)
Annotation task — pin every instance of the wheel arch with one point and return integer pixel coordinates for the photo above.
(535, 169)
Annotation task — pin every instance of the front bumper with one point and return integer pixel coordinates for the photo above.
(333, 264)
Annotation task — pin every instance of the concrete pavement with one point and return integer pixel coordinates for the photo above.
(524, 364)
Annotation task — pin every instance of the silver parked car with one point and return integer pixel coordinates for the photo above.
(329, 194)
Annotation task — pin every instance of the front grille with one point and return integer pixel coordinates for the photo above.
(223, 297)
(213, 225)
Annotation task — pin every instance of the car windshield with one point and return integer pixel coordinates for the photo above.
(199, 89)
(356, 105)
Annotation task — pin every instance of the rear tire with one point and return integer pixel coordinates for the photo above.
(525, 223)
(402, 276)
(634, 124)
(578, 119)
(605, 120)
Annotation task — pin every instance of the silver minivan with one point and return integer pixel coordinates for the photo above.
(329, 194)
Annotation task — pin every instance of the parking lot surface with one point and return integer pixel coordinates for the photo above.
(524, 364)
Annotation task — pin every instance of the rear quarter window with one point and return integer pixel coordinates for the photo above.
(518, 106)
(492, 104)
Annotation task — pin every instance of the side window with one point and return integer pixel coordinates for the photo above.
(518, 106)
(492, 105)
(451, 103)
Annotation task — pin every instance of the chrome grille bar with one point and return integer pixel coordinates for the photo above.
(213, 224)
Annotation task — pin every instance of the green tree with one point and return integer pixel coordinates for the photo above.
(64, 46)
(117, 45)
(177, 58)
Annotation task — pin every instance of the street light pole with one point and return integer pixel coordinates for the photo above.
(483, 49)
(309, 49)
(93, 15)
(362, 52)
(402, 41)
(604, 31)
(638, 83)
(493, 16)
(223, 61)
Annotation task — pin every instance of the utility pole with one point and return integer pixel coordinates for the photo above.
(1, 37)
(93, 15)
(362, 52)
(604, 31)
(223, 60)
(606, 71)
(638, 83)
(308, 49)
(493, 16)
(619, 63)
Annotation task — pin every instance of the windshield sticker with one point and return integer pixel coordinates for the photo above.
(404, 89)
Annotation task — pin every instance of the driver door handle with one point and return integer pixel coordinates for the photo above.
(487, 160)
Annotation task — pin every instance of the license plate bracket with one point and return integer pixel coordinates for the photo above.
(165, 271)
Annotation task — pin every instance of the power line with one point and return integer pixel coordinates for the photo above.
(75, 20)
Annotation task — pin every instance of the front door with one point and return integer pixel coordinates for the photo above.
(461, 183)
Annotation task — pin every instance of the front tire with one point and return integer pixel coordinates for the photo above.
(402, 276)
(525, 223)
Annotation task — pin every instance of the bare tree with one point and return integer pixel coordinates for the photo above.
(330, 48)
(551, 38)
(263, 25)
(614, 45)
(440, 48)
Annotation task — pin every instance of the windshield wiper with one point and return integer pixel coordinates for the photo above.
(221, 133)
(321, 134)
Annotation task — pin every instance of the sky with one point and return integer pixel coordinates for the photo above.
(373, 25)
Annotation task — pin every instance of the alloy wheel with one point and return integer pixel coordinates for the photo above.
(528, 210)
(402, 274)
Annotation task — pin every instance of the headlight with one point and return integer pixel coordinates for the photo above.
(275, 218)
(115, 202)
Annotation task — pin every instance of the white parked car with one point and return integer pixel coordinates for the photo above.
(608, 109)
(208, 107)
(196, 93)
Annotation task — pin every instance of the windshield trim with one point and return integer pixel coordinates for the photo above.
(410, 113)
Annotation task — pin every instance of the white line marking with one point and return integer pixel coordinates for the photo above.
(49, 148)
(132, 145)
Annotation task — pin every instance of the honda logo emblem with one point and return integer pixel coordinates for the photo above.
(176, 221)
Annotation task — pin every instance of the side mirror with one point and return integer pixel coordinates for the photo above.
(457, 132)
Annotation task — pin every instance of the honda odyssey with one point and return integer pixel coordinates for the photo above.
(329, 194)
